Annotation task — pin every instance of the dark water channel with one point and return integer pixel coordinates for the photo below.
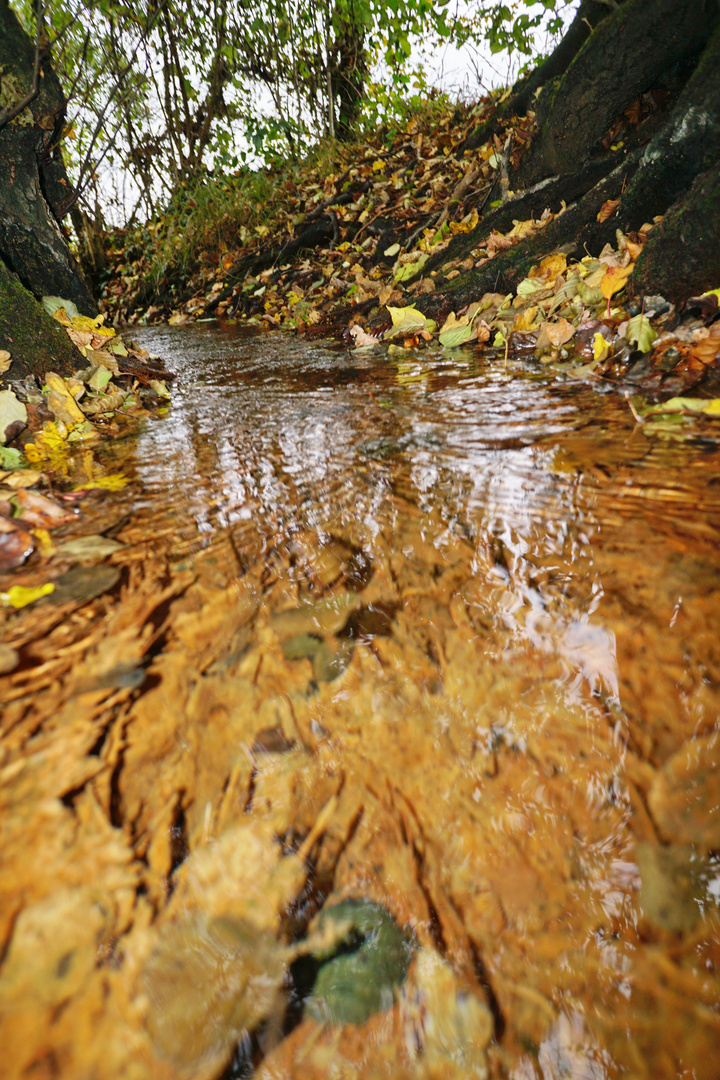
(480, 624)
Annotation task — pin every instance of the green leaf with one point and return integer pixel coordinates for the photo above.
(640, 332)
(407, 321)
(530, 286)
(411, 269)
(706, 406)
(10, 458)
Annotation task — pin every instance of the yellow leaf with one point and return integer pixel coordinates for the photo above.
(44, 542)
(522, 229)
(378, 166)
(601, 349)
(112, 482)
(526, 319)
(614, 279)
(407, 321)
(61, 402)
(551, 266)
(19, 596)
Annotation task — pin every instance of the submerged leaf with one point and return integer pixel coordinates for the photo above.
(708, 407)
(361, 978)
(112, 482)
(19, 596)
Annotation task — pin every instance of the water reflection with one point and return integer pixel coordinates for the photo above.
(526, 729)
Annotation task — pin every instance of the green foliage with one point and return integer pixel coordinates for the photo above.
(170, 92)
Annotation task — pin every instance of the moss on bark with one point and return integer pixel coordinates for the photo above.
(35, 341)
(682, 258)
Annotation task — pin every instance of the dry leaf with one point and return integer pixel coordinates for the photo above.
(607, 209)
(560, 332)
(614, 279)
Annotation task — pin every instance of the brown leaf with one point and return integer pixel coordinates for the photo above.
(607, 209)
(15, 545)
(560, 332)
(40, 511)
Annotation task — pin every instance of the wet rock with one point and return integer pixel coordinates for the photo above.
(360, 977)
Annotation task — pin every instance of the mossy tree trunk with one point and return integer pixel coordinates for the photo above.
(667, 51)
(34, 190)
(36, 342)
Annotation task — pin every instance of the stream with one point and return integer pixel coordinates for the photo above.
(445, 628)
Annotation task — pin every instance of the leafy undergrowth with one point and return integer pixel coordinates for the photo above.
(338, 245)
(48, 433)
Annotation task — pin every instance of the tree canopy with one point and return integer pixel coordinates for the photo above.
(167, 91)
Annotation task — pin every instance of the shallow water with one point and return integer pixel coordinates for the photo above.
(473, 610)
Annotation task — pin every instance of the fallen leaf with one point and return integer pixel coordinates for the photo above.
(21, 478)
(38, 510)
(560, 332)
(614, 279)
(112, 482)
(601, 349)
(526, 319)
(44, 542)
(607, 210)
(361, 338)
(60, 401)
(639, 332)
(89, 549)
(706, 406)
(11, 410)
(52, 304)
(551, 266)
(15, 544)
(483, 332)
(159, 387)
(455, 331)
(5, 360)
(10, 458)
(407, 321)
(19, 596)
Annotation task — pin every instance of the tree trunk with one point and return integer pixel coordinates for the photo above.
(36, 342)
(34, 190)
(671, 168)
(625, 56)
(347, 74)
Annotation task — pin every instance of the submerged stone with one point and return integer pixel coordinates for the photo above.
(360, 977)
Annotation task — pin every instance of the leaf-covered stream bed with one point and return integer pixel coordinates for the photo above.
(384, 744)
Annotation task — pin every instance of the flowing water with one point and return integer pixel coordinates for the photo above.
(456, 620)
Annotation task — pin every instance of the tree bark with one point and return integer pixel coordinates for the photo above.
(673, 171)
(34, 190)
(692, 227)
(36, 342)
(624, 56)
